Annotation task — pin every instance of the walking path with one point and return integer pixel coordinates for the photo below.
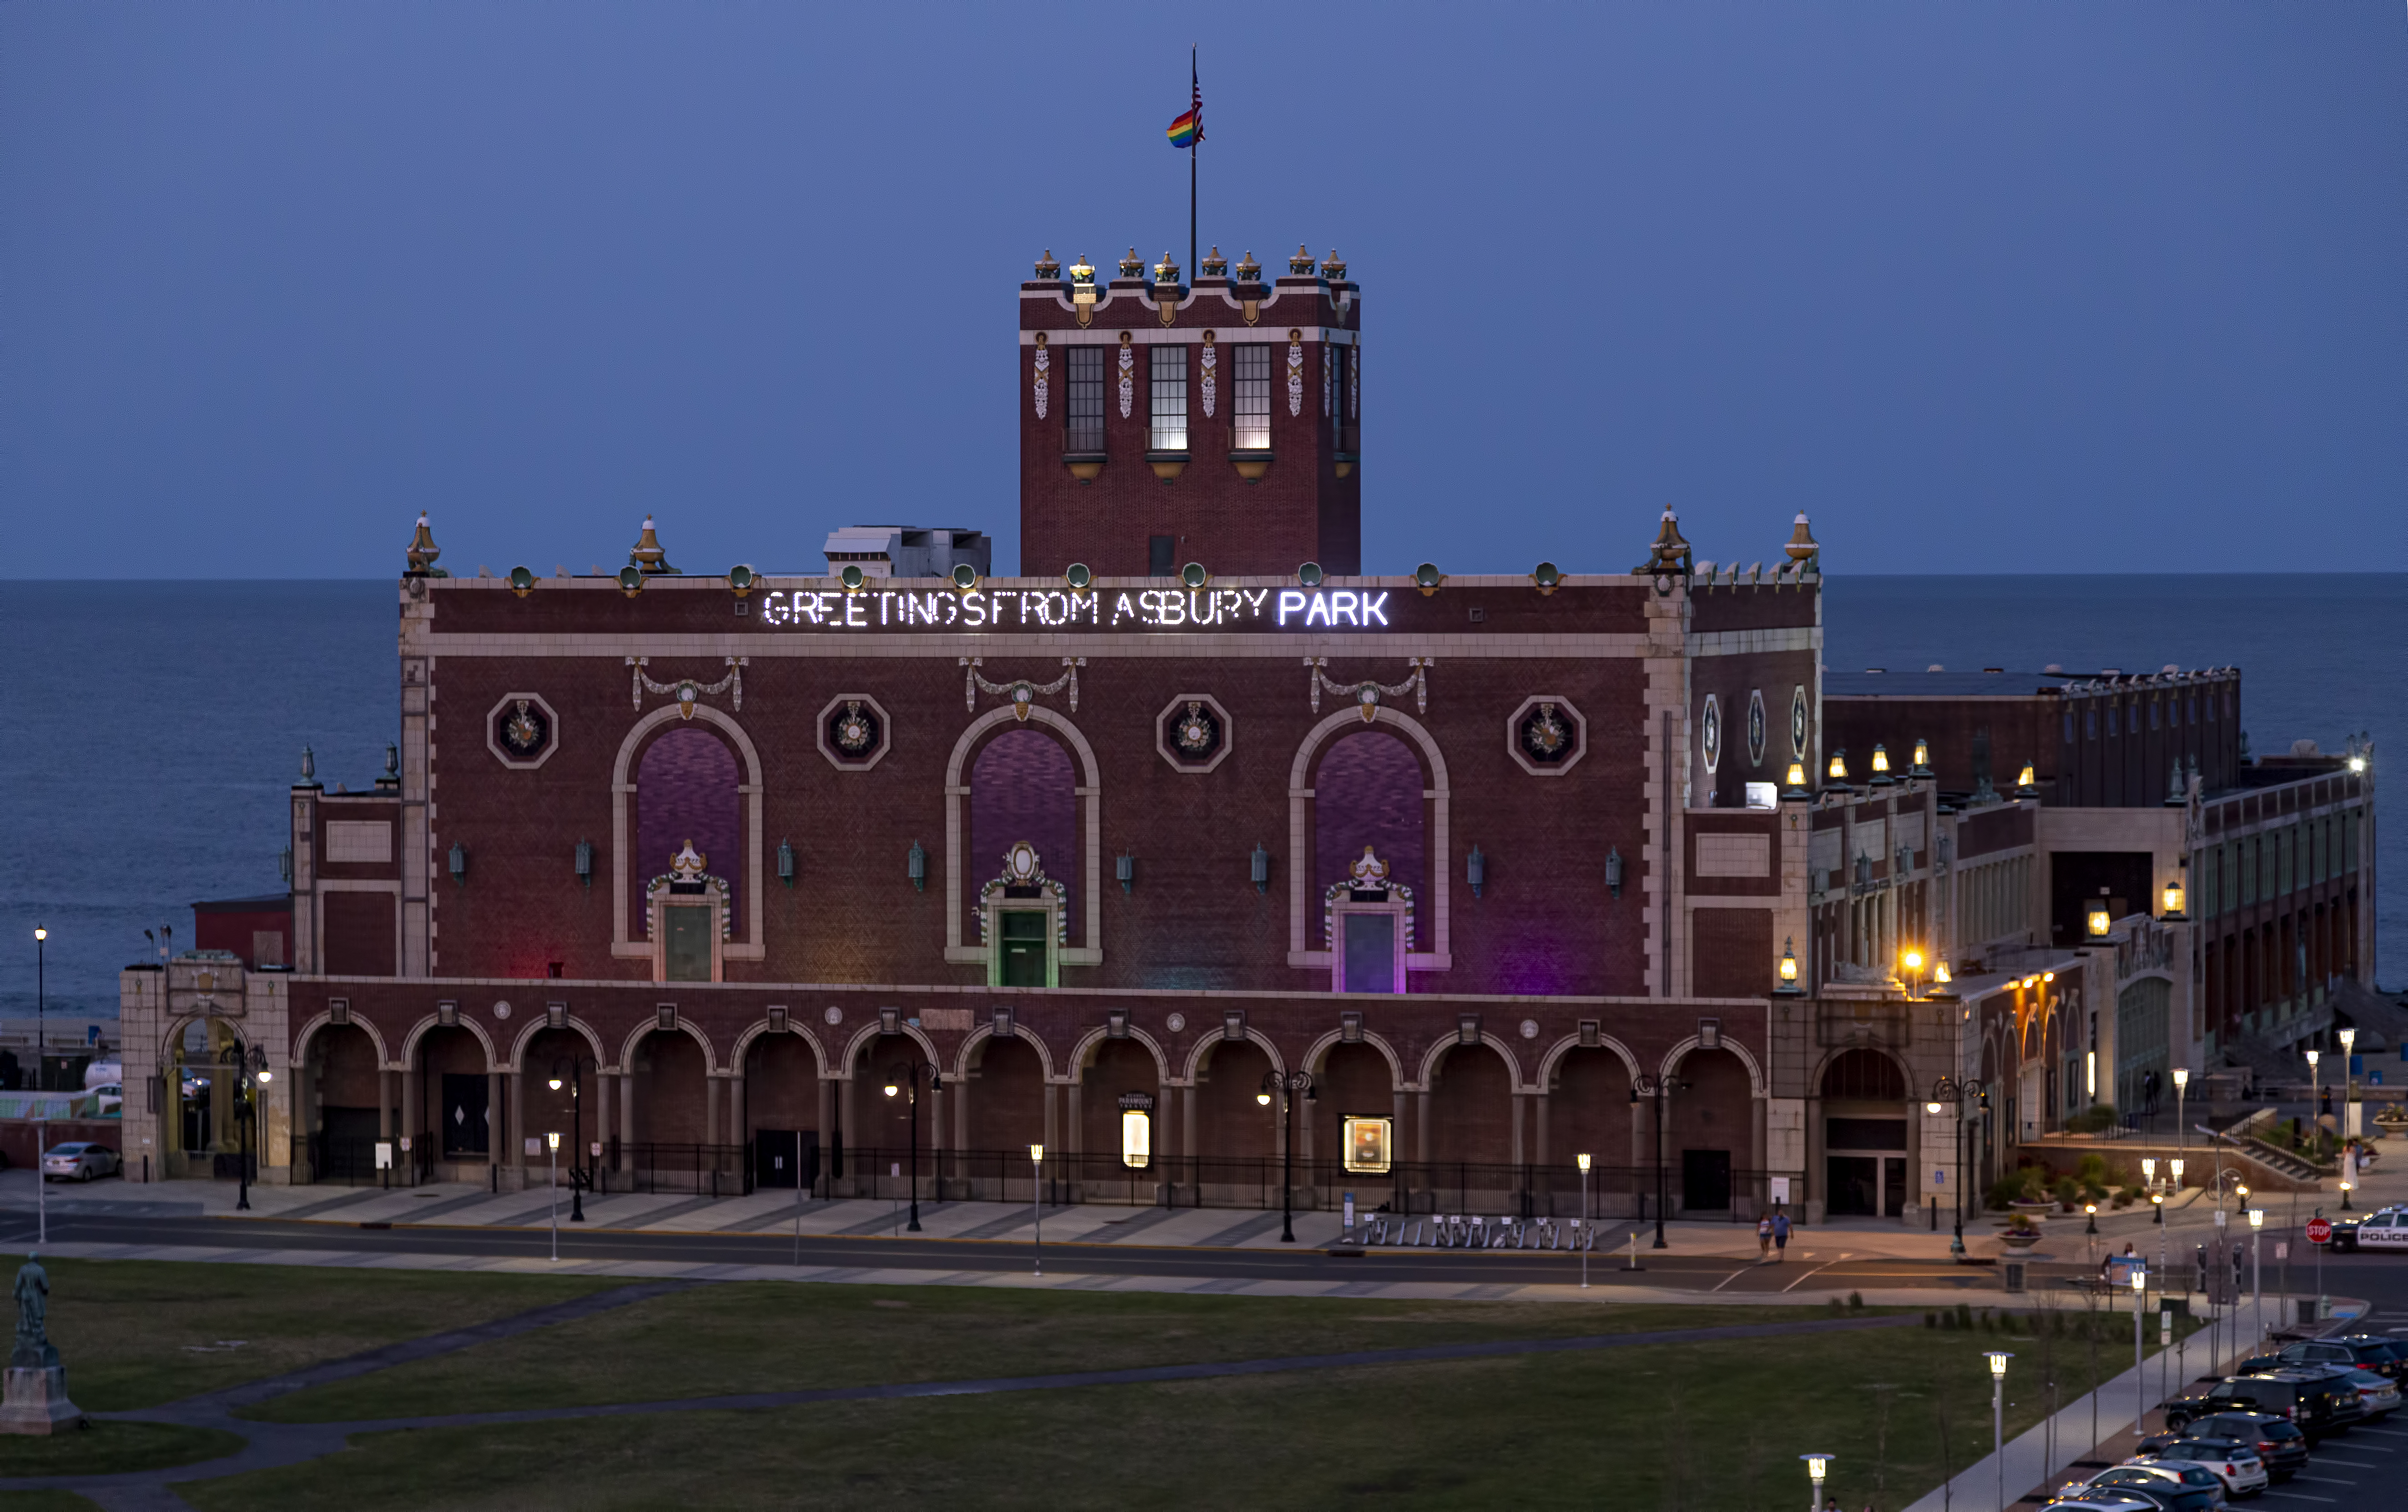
(270, 1446)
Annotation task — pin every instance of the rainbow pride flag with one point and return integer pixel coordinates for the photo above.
(1188, 129)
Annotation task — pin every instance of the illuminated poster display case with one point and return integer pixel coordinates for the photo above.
(1367, 1144)
(1136, 1130)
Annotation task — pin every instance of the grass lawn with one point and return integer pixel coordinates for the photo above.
(109, 1448)
(44, 1501)
(1671, 1426)
(135, 1333)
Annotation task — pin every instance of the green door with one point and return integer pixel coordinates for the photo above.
(1023, 949)
(689, 952)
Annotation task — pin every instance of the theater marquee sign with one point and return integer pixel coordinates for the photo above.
(1151, 608)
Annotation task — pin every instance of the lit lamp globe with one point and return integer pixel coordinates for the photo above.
(1942, 984)
(2099, 921)
(2173, 898)
(1794, 785)
(1787, 970)
(1922, 760)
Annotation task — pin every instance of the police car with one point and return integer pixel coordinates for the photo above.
(2383, 1230)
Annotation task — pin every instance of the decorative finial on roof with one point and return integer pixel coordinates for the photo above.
(1132, 264)
(1669, 550)
(1083, 271)
(1249, 271)
(647, 556)
(1046, 267)
(1165, 271)
(309, 764)
(1802, 546)
(422, 550)
(1301, 263)
(1215, 265)
(1332, 267)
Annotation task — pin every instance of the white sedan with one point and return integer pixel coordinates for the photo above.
(2242, 1472)
(2380, 1393)
(79, 1161)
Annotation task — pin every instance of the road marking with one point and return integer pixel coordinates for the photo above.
(1824, 1266)
(2384, 1433)
(2328, 1480)
(2347, 1464)
(2299, 1496)
(1729, 1280)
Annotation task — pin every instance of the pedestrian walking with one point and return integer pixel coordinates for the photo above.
(1764, 1237)
(1780, 1236)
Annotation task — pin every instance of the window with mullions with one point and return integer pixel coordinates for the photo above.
(1252, 412)
(1167, 392)
(1347, 434)
(1084, 417)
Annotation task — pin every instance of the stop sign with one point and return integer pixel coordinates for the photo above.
(2319, 1230)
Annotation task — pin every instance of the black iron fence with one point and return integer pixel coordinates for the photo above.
(1528, 1190)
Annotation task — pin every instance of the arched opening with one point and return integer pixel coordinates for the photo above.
(455, 1131)
(1354, 1081)
(1241, 1134)
(780, 1116)
(1470, 1131)
(1864, 1135)
(689, 851)
(344, 1086)
(1369, 857)
(1121, 1068)
(1003, 1103)
(1709, 1129)
(571, 1110)
(1589, 1111)
(879, 1142)
(1024, 855)
(669, 1143)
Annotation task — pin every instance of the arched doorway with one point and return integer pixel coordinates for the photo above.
(1237, 1139)
(1589, 1111)
(1369, 857)
(689, 851)
(1024, 845)
(573, 1109)
(780, 1118)
(1470, 1131)
(1119, 1069)
(1865, 1149)
(1003, 1113)
(1354, 1081)
(1708, 1130)
(878, 1152)
(344, 1087)
(667, 1142)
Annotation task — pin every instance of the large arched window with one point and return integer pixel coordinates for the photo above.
(1369, 857)
(1024, 841)
(689, 834)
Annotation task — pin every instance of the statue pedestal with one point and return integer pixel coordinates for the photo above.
(35, 1399)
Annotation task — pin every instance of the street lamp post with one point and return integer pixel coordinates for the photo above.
(2140, 1376)
(1949, 1089)
(1583, 1254)
(551, 1140)
(2149, 1181)
(1036, 1207)
(904, 1078)
(2181, 1130)
(2257, 1272)
(1286, 1084)
(1998, 1359)
(575, 1066)
(2348, 1090)
(249, 1068)
(1818, 1466)
(41, 1005)
(2315, 1119)
(1656, 1088)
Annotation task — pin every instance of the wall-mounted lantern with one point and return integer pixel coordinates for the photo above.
(917, 864)
(2099, 920)
(1881, 767)
(786, 862)
(1260, 865)
(631, 581)
(1789, 986)
(1795, 787)
(284, 864)
(2174, 900)
(459, 863)
(1922, 766)
(1613, 870)
(1125, 872)
(1475, 870)
(2025, 785)
(585, 862)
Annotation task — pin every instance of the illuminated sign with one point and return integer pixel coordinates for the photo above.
(1055, 608)
(1136, 1130)
(1366, 1144)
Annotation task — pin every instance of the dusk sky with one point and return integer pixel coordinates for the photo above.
(1981, 287)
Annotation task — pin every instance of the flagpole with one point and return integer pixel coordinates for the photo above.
(1196, 91)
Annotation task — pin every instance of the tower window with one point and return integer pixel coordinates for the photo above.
(1167, 391)
(1084, 417)
(1252, 413)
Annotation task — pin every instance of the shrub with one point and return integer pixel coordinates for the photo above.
(2065, 1191)
(2091, 1170)
(1857, 1300)
(1965, 1315)
(1931, 1319)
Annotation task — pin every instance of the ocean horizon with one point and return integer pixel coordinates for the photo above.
(155, 727)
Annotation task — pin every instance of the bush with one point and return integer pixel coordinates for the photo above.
(1965, 1316)
(2095, 1119)
(1931, 1319)
(2091, 1170)
(2065, 1192)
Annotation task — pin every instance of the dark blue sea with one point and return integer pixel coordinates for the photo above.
(151, 730)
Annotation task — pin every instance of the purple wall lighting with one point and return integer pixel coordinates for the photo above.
(1023, 787)
(685, 789)
(1367, 792)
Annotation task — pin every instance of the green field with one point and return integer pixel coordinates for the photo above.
(1695, 1424)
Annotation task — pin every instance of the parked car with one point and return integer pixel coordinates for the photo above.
(2378, 1394)
(2319, 1405)
(112, 1098)
(2383, 1230)
(2277, 1441)
(2101, 1499)
(2176, 1488)
(2228, 1459)
(2355, 1351)
(79, 1161)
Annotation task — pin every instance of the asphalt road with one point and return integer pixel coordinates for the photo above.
(1738, 1279)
